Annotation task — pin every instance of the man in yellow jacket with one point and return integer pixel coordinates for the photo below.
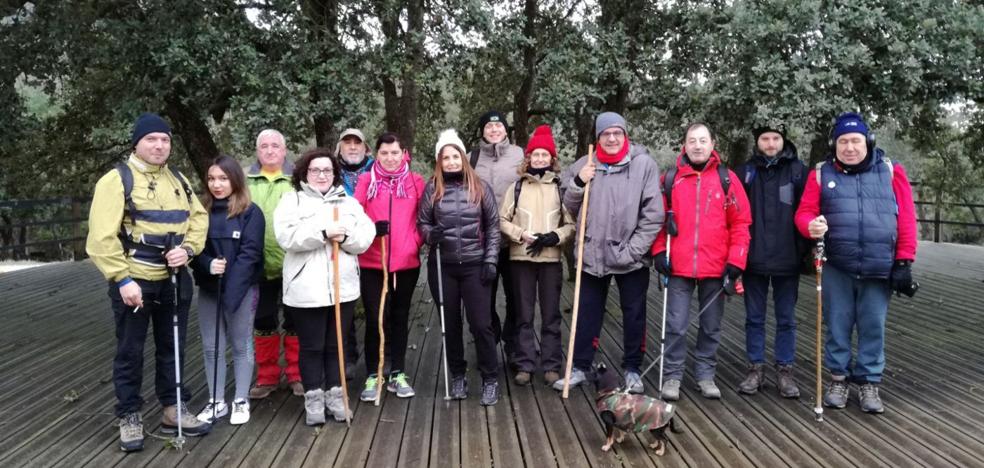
(138, 208)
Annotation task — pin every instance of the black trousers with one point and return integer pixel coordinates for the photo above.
(318, 357)
(504, 330)
(131, 333)
(534, 281)
(462, 283)
(395, 317)
(267, 319)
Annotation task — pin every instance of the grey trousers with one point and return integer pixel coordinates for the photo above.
(236, 327)
(678, 316)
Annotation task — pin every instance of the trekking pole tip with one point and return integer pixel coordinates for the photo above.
(818, 414)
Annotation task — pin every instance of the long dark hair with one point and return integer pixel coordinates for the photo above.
(473, 185)
(239, 199)
(301, 167)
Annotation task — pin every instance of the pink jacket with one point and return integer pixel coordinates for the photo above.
(404, 241)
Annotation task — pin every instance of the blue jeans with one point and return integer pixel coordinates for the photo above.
(785, 290)
(678, 317)
(850, 303)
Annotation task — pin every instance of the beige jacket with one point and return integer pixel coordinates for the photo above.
(539, 211)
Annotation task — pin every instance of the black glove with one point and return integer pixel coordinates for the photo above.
(488, 273)
(901, 278)
(435, 236)
(549, 239)
(730, 282)
(732, 272)
(661, 265)
(382, 228)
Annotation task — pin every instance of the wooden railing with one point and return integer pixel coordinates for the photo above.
(44, 229)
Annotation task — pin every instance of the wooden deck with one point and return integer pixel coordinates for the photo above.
(56, 394)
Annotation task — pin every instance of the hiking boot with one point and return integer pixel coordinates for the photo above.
(671, 390)
(314, 407)
(296, 387)
(369, 391)
(577, 378)
(190, 425)
(551, 377)
(240, 412)
(335, 404)
(131, 433)
(459, 387)
(870, 401)
(522, 378)
(398, 385)
(753, 380)
(633, 382)
(709, 389)
(490, 392)
(836, 395)
(260, 392)
(787, 385)
(219, 408)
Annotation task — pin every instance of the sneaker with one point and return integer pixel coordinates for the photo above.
(709, 389)
(551, 377)
(190, 425)
(753, 380)
(671, 390)
(870, 401)
(490, 392)
(219, 408)
(577, 378)
(837, 394)
(260, 392)
(240, 412)
(398, 385)
(522, 378)
(369, 391)
(335, 404)
(787, 385)
(131, 433)
(633, 382)
(459, 388)
(314, 407)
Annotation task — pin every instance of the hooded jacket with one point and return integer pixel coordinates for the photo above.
(240, 241)
(774, 187)
(404, 240)
(470, 231)
(498, 165)
(625, 212)
(539, 211)
(298, 221)
(266, 193)
(712, 227)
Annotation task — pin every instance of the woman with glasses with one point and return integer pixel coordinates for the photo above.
(307, 222)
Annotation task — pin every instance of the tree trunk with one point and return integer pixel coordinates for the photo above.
(523, 98)
(195, 135)
(818, 148)
(401, 99)
(322, 18)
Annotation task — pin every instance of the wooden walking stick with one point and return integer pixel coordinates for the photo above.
(382, 330)
(818, 260)
(338, 321)
(577, 277)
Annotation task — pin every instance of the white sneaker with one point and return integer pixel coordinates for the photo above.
(240, 412)
(335, 404)
(220, 409)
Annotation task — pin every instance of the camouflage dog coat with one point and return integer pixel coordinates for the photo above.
(636, 413)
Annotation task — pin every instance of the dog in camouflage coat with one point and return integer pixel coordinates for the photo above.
(623, 412)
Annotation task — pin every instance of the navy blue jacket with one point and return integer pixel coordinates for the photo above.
(774, 189)
(240, 241)
(862, 215)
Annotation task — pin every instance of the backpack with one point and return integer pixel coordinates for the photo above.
(126, 176)
(473, 158)
(670, 177)
(519, 188)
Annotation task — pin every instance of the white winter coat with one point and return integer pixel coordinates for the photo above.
(298, 221)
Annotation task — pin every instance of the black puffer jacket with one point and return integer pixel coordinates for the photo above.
(774, 189)
(470, 232)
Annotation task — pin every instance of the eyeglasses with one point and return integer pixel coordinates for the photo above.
(313, 171)
(611, 134)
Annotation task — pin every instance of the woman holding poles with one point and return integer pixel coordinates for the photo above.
(227, 272)
(389, 192)
(533, 218)
(308, 223)
(458, 216)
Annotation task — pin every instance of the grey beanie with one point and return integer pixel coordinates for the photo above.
(607, 120)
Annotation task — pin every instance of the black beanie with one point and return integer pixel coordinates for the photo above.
(492, 116)
(148, 123)
(780, 129)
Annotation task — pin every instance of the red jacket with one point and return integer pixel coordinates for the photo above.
(905, 245)
(404, 243)
(712, 228)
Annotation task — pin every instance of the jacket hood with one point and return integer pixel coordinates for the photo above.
(287, 170)
(337, 191)
(547, 178)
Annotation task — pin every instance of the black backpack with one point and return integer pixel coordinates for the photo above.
(670, 177)
(126, 176)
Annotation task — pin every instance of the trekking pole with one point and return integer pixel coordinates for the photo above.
(215, 357)
(338, 321)
(168, 246)
(577, 278)
(382, 329)
(670, 232)
(818, 260)
(440, 306)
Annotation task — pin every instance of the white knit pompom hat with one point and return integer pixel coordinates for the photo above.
(448, 137)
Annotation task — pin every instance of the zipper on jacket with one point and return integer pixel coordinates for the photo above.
(457, 212)
(697, 225)
(857, 178)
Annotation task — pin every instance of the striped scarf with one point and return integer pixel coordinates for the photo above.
(396, 179)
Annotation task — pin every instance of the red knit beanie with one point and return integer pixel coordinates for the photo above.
(542, 139)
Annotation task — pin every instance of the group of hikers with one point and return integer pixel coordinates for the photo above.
(317, 234)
